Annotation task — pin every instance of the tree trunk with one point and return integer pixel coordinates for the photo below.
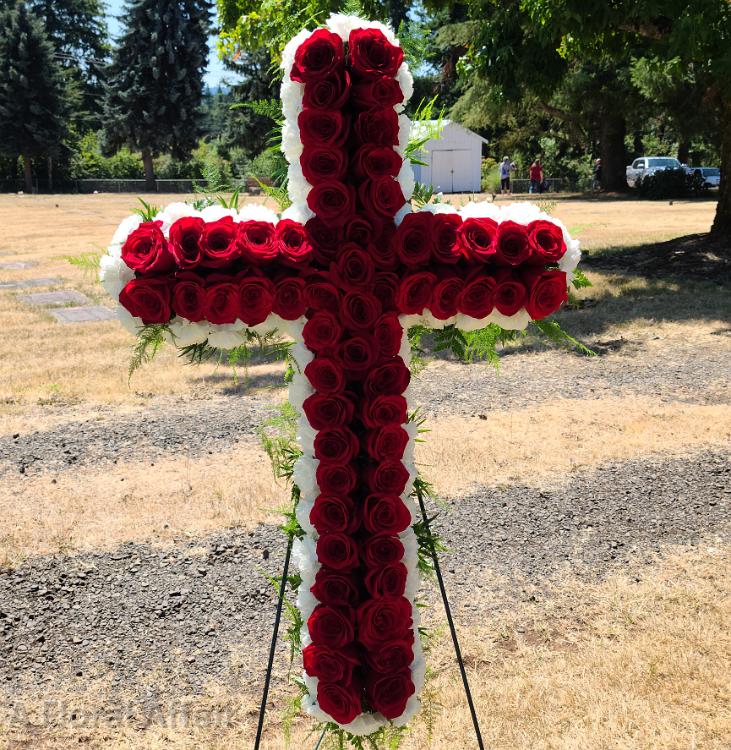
(50, 174)
(613, 154)
(722, 223)
(27, 173)
(149, 171)
(683, 151)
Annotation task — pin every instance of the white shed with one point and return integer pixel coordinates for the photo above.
(453, 160)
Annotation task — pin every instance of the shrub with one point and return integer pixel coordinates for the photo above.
(490, 180)
(269, 166)
(670, 183)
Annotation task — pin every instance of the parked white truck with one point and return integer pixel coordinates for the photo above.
(647, 165)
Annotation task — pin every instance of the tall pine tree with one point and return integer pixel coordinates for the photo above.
(155, 82)
(32, 90)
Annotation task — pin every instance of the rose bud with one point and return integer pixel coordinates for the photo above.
(219, 243)
(510, 293)
(389, 580)
(382, 549)
(322, 332)
(336, 479)
(387, 514)
(322, 127)
(331, 626)
(326, 375)
(388, 334)
(477, 239)
(320, 55)
(477, 298)
(146, 249)
(338, 551)
(371, 161)
(341, 702)
(383, 91)
(546, 241)
(391, 657)
(336, 588)
(355, 268)
(372, 55)
(415, 292)
(360, 310)
(332, 201)
(358, 354)
(384, 410)
(292, 243)
(446, 245)
(389, 379)
(147, 298)
(336, 445)
(387, 478)
(222, 302)
(389, 693)
(185, 241)
(377, 127)
(445, 297)
(511, 244)
(322, 164)
(289, 298)
(330, 92)
(189, 297)
(413, 241)
(328, 411)
(546, 293)
(255, 299)
(387, 443)
(334, 514)
(329, 665)
(257, 241)
(381, 620)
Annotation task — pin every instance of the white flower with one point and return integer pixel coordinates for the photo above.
(342, 25)
(291, 142)
(289, 51)
(299, 212)
(257, 212)
(302, 355)
(303, 510)
(440, 208)
(431, 322)
(185, 333)
(405, 350)
(306, 436)
(127, 225)
(128, 321)
(402, 213)
(304, 476)
(480, 210)
(304, 556)
(306, 602)
(413, 704)
(406, 82)
(468, 323)
(515, 322)
(293, 328)
(114, 275)
(227, 336)
(299, 389)
(522, 213)
(571, 258)
(214, 213)
(365, 724)
(297, 186)
(404, 128)
(172, 212)
(406, 179)
(291, 94)
(409, 321)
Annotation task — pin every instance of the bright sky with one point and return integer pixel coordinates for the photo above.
(215, 72)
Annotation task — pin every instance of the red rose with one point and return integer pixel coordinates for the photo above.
(328, 411)
(382, 549)
(218, 242)
(445, 232)
(384, 410)
(318, 56)
(383, 254)
(387, 581)
(414, 239)
(546, 240)
(361, 231)
(477, 239)
(334, 514)
(386, 513)
(386, 478)
(388, 442)
(338, 551)
(222, 301)
(341, 702)
(289, 298)
(385, 287)
(389, 693)
(445, 297)
(383, 91)
(255, 299)
(383, 619)
(336, 445)
(354, 267)
(391, 657)
(511, 244)
(330, 92)
(189, 297)
(185, 241)
(378, 127)
(147, 298)
(546, 293)
(334, 479)
(326, 375)
(478, 296)
(381, 196)
(358, 354)
(376, 161)
(322, 332)
(325, 239)
(371, 54)
(332, 201)
(335, 588)
(388, 334)
(257, 241)
(328, 665)
(330, 626)
(322, 127)
(322, 295)
(415, 292)
(323, 164)
(360, 310)
(146, 249)
(510, 293)
(389, 379)
(292, 242)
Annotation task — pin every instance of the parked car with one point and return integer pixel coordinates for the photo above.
(711, 176)
(647, 165)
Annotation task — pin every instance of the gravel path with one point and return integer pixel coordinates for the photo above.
(185, 608)
(689, 373)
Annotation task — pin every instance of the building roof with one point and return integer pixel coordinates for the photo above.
(421, 128)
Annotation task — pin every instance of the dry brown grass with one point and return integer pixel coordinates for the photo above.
(624, 664)
(97, 507)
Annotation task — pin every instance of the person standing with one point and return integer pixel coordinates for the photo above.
(597, 174)
(536, 177)
(506, 167)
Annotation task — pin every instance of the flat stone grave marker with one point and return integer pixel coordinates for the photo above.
(30, 283)
(90, 314)
(17, 265)
(52, 299)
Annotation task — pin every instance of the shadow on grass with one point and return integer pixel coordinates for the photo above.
(239, 381)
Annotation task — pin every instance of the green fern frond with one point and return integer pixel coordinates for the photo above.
(580, 281)
(147, 212)
(554, 333)
(88, 262)
(149, 341)
(270, 108)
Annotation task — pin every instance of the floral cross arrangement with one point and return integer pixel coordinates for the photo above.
(346, 271)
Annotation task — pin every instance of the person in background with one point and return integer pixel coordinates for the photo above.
(597, 175)
(506, 167)
(536, 177)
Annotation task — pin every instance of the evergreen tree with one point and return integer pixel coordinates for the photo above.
(155, 82)
(32, 90)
